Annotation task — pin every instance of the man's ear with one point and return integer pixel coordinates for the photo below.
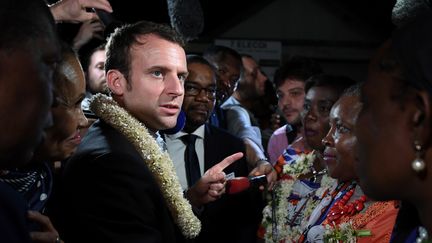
(421, 119)
(116, 82)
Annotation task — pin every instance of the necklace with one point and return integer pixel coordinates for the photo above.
(158, 161)
(341, 208)
(315, 174)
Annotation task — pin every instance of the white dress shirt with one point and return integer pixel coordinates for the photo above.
(176, 149)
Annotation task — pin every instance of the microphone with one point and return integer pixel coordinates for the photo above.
(186, 17)
(404, 11)
(239, 184)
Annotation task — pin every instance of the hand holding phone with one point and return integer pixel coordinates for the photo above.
(104, 16)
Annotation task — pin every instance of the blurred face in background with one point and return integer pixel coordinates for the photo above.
(253, 82)
(291, 96)
(228, 74)
(315, 116)
(96, 73)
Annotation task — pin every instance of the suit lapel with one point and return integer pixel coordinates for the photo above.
(209, 148)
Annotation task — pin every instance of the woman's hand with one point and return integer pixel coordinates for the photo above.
(48, 234)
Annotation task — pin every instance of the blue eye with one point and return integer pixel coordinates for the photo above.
(157, 73)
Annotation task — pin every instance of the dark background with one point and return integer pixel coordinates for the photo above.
(220, 15)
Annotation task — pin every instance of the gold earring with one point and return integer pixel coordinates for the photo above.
(418, 164)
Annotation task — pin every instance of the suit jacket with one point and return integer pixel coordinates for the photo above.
(232, 218)
(110, 195)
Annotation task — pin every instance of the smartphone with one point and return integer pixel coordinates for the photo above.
(104, 16)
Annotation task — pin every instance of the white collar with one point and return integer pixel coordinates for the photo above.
(198, 132)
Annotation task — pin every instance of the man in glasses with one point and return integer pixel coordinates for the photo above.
(211, 145)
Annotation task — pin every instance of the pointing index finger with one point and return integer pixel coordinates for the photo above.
(225, 163)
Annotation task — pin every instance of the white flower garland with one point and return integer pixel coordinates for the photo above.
(159, 162)
(282, 190)
(301, 166)
(276, 212)
(343, 232)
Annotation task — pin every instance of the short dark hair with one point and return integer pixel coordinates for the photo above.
(337, 82)
(216, 53)
(412, 48)
(124, 37)
(353, 90)
(192, 58)
(86, 58)
(298, 68)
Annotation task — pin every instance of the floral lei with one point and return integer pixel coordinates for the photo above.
(159, 162)
(275, 214)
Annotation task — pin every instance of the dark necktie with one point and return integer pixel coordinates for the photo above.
(193, 173)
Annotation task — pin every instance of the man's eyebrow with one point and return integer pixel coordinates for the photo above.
(156, 67)
(184, 73)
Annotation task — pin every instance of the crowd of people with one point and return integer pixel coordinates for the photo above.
(139, 141)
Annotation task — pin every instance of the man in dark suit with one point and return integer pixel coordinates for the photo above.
(230, 218)
(120, 185)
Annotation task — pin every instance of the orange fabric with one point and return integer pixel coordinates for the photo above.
(379, 219)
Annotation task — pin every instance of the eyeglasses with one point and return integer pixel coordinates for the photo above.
(192, 89)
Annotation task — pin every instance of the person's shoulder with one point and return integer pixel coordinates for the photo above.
(214, 130)
(227, 103)
(235, 111)
(102, 142)
(231, 103)
(101, 136)
(223, 137)
(280, 131)
(278, 136)
(97, 139)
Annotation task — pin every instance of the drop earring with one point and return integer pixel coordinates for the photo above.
(418, 164)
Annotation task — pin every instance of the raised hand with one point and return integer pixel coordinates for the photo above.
(89, 29)
(265, 168)
(211, 185)
(74, 11)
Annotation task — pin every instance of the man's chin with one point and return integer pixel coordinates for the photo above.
(293, 121)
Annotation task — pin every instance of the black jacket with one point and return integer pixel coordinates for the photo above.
(110, 195)
(232, 218)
